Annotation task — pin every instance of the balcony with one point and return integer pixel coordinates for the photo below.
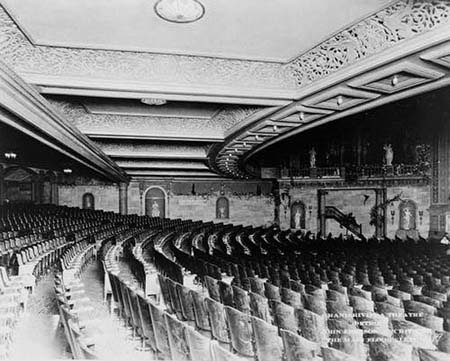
(396, 174)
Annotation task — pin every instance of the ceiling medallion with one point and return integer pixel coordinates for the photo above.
(180, 11)
(153, 101)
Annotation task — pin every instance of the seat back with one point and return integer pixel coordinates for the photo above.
(241, 332)
(268, 345)
(176, 330)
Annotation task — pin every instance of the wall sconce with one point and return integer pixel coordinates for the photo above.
(392, 216)
(285, 200)
(310, 210)
(420, 217)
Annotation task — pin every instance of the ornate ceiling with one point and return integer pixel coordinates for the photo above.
(226, 99)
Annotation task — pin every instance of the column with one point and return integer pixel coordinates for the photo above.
(440, 180)
(321, 195)
(54, 193)
(36, 189)
(380, 198)
(2, 186)
(123, 198)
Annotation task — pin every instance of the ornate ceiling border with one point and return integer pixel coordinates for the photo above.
(116, 73)
(396, 23)
(355, 91)
(110, 70)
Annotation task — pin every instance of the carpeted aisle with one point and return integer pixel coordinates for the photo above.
(38, 337)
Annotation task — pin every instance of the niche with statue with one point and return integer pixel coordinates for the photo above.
(298, 215)
(222, 208)
(407, 210)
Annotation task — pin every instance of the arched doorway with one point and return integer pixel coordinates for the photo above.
(155, 202)
(298, 215)
(88, 201)
(222, 208)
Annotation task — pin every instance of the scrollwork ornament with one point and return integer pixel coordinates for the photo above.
(386, 28)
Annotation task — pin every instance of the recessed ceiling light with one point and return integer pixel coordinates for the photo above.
(153, 101)
(180, 11)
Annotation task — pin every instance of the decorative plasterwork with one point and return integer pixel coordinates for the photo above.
(299, 114)
(395, 78)
(170, 173)
(414, 76)
(339, 98)
(161, 164)
(440, 56)
(128, 126)
(401, 21)
(232, 115)
(152, 151)
(129, 66)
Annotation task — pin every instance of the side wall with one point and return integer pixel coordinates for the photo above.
(249, 203)
(106, 196)
(358, 202)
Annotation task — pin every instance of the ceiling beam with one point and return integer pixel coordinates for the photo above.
(23, 108)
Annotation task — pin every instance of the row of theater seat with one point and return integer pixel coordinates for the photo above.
(159, 330)
(73, 305)
(401, 288)
(285, 283)
(33, 239)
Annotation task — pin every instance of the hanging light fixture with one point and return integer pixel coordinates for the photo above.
(180, 11)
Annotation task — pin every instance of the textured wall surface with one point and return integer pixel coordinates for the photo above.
(354, 201)
(254, 210)
(106, 196)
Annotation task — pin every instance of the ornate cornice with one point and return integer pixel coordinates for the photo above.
(137, 67)
(398, 22)
(401, 21)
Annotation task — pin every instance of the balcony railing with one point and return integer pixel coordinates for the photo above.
(321, 172)
(360, 172)
(399, 170)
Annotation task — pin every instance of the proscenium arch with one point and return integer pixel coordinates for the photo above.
(166, 200)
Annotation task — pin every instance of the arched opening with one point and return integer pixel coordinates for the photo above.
(298, 215)
(19, 187)
(88, 201)
(155, 202)
(223, 208)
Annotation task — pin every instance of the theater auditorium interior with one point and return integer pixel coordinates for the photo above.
(223, 180)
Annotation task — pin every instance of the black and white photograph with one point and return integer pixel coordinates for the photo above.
(225, 180)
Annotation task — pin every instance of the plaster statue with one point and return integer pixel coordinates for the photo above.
(407, 218)
(312, 158)
(388, 154)
(297, 219)
(221, 212)
(155, 209)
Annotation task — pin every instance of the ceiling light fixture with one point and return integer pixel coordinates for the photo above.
(153, 101)
(180, 11)
(67, 171)
(10, 155)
